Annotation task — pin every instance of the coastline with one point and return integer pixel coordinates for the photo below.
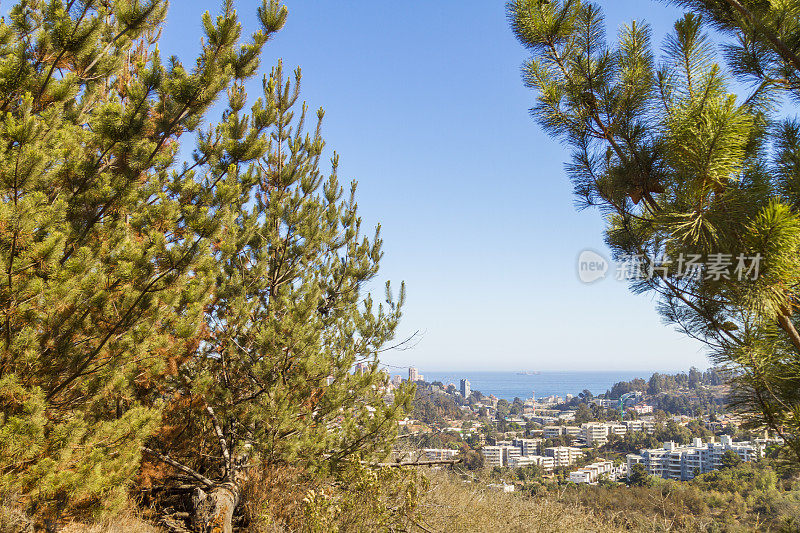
(510, 384)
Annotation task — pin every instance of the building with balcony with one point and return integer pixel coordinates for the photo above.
(551, 432)
(592, 472)
(545, 463)
(685, 462)
(492, 455)
(563, 455)
(527, 446)
(640, 425)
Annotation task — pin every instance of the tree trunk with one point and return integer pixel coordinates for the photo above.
(213, 511)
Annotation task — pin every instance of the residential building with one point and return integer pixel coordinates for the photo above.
(413, 374)
(640, 425)
(527, 446)
(545, 463)
(592, 472)
(642, 409)
(617, 429)
(492, 455)
(551, 432)
(563, 455)
(466, 390)
(597, 433)
(543, 420)
(685, 462)
(511, 454)
(605, 403)
(439, 454)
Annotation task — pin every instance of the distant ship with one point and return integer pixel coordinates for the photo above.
(529, 373)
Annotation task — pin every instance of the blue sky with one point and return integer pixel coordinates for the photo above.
(425, 106)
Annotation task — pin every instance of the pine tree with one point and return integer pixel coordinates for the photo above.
(104, 238)
(273, 383)
(685, 169)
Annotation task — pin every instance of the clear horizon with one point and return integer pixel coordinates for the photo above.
(422, 370)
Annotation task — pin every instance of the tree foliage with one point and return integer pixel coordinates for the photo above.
(683, 168)
(206, 312)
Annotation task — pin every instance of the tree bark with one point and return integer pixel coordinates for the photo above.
(213, 510)
(785, 321)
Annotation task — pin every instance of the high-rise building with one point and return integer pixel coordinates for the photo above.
(361, 368)
(413, 374)
(466, 390)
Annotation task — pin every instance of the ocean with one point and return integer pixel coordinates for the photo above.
(508, 385)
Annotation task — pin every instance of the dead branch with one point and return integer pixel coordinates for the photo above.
(183, 468)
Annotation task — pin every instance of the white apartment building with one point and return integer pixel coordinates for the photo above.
(546, 463)
(439, 454)
(684, 462)
(543, 420)
(640, 425)
(563, 455)
(592, 472)
(617, 429)
(510, 453)
(501, 454)
(528, 446)
(596, 433)
(492, 455)
(551, 432)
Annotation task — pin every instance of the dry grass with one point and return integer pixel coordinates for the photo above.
(272, 500)
(452, 505)
(120, 524)
(14, 520)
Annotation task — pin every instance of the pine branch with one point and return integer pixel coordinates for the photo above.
(784, 51)
(183, 468)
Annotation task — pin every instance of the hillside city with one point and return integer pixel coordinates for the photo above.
(672, 427)
(222, 223)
